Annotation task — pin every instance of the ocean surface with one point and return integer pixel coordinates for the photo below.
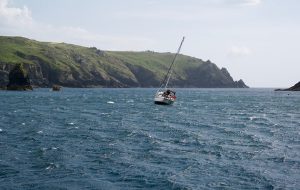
(119, 139)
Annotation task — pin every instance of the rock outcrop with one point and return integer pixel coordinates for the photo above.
(296, 87)
(56, 88)
(18, 79)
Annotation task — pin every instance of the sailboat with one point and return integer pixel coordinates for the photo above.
(164, 95)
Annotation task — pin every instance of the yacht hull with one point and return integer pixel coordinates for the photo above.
(163, 101)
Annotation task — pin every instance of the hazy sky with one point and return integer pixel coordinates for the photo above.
(256, 40)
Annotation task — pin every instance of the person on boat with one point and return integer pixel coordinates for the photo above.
(172, 95)
(167, 93)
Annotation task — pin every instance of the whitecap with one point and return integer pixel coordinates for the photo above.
(253, 117)
(23, 123)
(40, 132)
(0, 130)
(104, 113)
(52, 166)
(110, 102)
(71, 123)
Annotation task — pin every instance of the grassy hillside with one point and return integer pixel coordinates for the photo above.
(76, 66)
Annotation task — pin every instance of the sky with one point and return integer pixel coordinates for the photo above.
(256, 40)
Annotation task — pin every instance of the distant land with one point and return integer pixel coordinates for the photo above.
(75, 66)
(296, 87)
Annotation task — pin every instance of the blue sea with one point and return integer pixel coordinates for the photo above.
(119, 139)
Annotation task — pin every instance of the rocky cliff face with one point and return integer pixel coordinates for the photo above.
(18, 79)
(3, 79)
(33, 72)
(76, 66)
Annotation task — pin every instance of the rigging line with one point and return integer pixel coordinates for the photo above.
(168, 75)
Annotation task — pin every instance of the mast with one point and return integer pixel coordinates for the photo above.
(170, 69)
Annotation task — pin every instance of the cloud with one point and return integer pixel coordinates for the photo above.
(235, 2)
(15, 21)
(251, 2)
(14, 16)
(239, 51)
(19, 21)
(157, 15)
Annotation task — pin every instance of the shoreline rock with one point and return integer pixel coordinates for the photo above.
(56, 88)
(296, 87)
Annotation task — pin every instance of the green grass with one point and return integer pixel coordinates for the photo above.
(81, 61)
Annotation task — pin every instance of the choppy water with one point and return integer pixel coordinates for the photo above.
(118, 139)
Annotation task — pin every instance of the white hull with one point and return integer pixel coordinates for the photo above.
(159, 99)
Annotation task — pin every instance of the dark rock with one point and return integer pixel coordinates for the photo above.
(98, 51)
(56, 88)
(226, 73)
(208, 75)
(145, 78)
(18, 79)
(296, 87)
(241, 84)
(3, 79)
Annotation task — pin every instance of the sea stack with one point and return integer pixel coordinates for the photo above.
(19, 79)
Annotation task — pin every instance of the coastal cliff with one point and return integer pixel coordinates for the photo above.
(76, 66)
